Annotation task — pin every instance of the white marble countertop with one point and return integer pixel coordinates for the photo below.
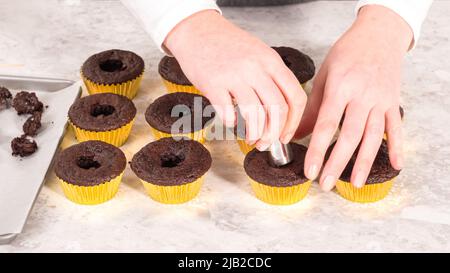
(53, 38)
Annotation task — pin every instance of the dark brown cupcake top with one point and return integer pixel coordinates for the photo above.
(258, 168)
(381, 170)
(299, 63)
(170, 70)
(168, 162)
(90, 163)
(113, 66)
(102, 112)
(159, 113)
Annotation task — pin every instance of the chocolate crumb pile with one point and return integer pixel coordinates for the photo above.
(23, 146)
(5, 98)
(25, 103)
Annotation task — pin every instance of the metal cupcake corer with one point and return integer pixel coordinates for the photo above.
(280, 154)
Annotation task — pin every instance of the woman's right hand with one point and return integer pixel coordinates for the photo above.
(226, 63)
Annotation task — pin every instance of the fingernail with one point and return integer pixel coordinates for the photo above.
(313, 172)
(287, 138)
(360, 179)
(263, 146)
(328, 183)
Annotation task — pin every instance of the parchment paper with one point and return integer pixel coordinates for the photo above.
(21, 178)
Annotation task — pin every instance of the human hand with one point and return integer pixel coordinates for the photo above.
(361, 75)
(227, 63)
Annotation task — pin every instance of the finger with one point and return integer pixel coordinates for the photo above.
(252, 111)
(295, 97)
(394, 137)
(224, 107)
(276, 109)
(309, 117)
(331, 110)
(373, 136)
(348, 140)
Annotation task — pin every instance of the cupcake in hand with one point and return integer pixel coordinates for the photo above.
(172, 171)
(107, 117)
(277, 185)
(113, 71)
(173, 77)
(90, 172)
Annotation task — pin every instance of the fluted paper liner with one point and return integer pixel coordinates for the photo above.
(173, 88)
(368, 193)
(243, 146)
(173, 194)
(128, 89)
(280, 195)
(116, 137)
(91, 195)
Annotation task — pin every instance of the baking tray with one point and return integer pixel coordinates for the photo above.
(22, 178)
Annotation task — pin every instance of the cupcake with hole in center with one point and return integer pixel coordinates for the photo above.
(301, 65)
(173, 76)
(172, 171)
(107, 117)
(378, 183)
(90, 172)
(283, 185)
(180, 115)
(113, 71)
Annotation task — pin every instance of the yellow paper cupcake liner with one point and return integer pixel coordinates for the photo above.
(173, 88)
(173, 194)
(199, 135)
(244, 147)
(280, 195)
(128, 89)
(366, 194)
(115, 137)
(91, 195)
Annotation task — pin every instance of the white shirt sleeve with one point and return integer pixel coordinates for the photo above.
(412, 11)
(160, 17)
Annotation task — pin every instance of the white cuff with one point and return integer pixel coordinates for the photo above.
(412, 11)
(160, 17)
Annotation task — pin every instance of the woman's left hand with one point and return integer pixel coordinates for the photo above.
(360, 76)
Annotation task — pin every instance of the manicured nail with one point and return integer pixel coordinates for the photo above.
(287, 138)
(360, 179)
(313, 171)
(328, 183)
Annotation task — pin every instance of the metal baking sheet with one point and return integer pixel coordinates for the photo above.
(22, 178)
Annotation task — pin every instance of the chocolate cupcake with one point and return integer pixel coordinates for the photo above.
(378, 183)
(159, 116)
(90, 172)
(172, 171)
(113, 71)
(174, 78)
(299, 63)
(107, 117)
(277, 185)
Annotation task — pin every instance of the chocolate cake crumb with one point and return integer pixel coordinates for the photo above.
(23, 146)
(5, 97)
(27, 103)
(32, 124)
